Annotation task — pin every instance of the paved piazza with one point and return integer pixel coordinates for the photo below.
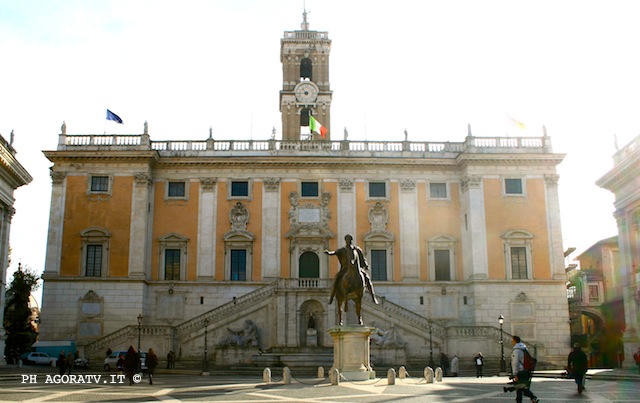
(195, 388)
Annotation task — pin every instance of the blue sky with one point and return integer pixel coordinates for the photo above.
(431, 67)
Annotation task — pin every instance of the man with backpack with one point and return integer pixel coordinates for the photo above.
(522, 373)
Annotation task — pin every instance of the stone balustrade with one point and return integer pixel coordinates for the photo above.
(209, 147)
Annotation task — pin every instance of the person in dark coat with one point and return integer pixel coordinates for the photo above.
(152, 363)
(479, 361)
(577, 365)
(131, 363)
(444, 364)
(62, 363)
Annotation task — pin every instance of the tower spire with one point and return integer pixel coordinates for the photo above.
(305, 24)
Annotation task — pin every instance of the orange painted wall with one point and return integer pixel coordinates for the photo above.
(175, 216)
(254, 226)
(112, 214)
(511, 213)
(436, 218)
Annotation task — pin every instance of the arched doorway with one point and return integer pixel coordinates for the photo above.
(311, 324)
(309, 265)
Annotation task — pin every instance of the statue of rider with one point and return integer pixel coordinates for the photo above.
(351, 255)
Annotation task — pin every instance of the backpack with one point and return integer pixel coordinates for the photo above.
(528, 362)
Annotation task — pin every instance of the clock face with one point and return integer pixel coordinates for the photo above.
(306, 92)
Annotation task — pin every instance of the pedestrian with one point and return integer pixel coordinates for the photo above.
(521, 377)
(109, 352)
(131, 364)
(61, 363)
(120, 364)
(70, 362)
(636, 357)
(455, 367)
(479, 361)
(152, 363)
(577, 365)
(444, 363)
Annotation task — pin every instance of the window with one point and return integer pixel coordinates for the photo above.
(93, 263)
(99, 183)
(238, 265)
(517, 254)
(377, 189)
(519, 262)
(438, 190)
(379, 265)
(173, 257)
(594, 293)
(442, 258)
(309, 189)
(442, 264)
(172, 264)
(176, 189)
(306, 69)
(239, 189)
(513, 186)
(95, 252)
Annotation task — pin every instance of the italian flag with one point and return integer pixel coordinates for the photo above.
(315, 126)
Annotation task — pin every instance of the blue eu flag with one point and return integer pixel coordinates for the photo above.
(113, 116)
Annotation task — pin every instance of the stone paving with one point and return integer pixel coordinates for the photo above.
(171, 387)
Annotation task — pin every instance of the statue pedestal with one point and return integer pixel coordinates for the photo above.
(312, 337)
(351, 355)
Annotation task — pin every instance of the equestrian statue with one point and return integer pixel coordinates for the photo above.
(352, 278)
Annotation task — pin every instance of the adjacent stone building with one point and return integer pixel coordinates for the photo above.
(12, 176)
(623, 180)
(219, 242)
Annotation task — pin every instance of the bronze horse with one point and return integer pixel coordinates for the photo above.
(350, 287)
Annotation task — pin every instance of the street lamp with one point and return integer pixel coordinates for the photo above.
(205, 363)
(431, 364)
(139, 329)
(503, 365)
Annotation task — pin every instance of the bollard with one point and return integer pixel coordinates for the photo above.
(391, 376)
(334, 376)
(438, 374)
(266, 375)
(20, 363)
(402, 372)
(321, 372)
(286, 376)
(428, 374)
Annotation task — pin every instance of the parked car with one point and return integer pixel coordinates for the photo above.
(39, 359)
(111, 361)
(81, 363)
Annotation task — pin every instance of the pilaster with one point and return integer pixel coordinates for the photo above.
(207, 210)
(474, 249)
(346, 209)
(56, 225)
(271, 228)
(409, 234)
(139, 225)
(556, 253)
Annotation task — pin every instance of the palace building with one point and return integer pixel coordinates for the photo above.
(209, 245)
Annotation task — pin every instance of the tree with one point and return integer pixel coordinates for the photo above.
(21, 333)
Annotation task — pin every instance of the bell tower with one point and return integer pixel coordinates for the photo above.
(305, 82)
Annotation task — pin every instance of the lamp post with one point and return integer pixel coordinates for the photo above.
(431, 364)
(205, 363)
(139, 330)
(503, 366)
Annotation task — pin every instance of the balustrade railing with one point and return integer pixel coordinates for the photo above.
(354, 148)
